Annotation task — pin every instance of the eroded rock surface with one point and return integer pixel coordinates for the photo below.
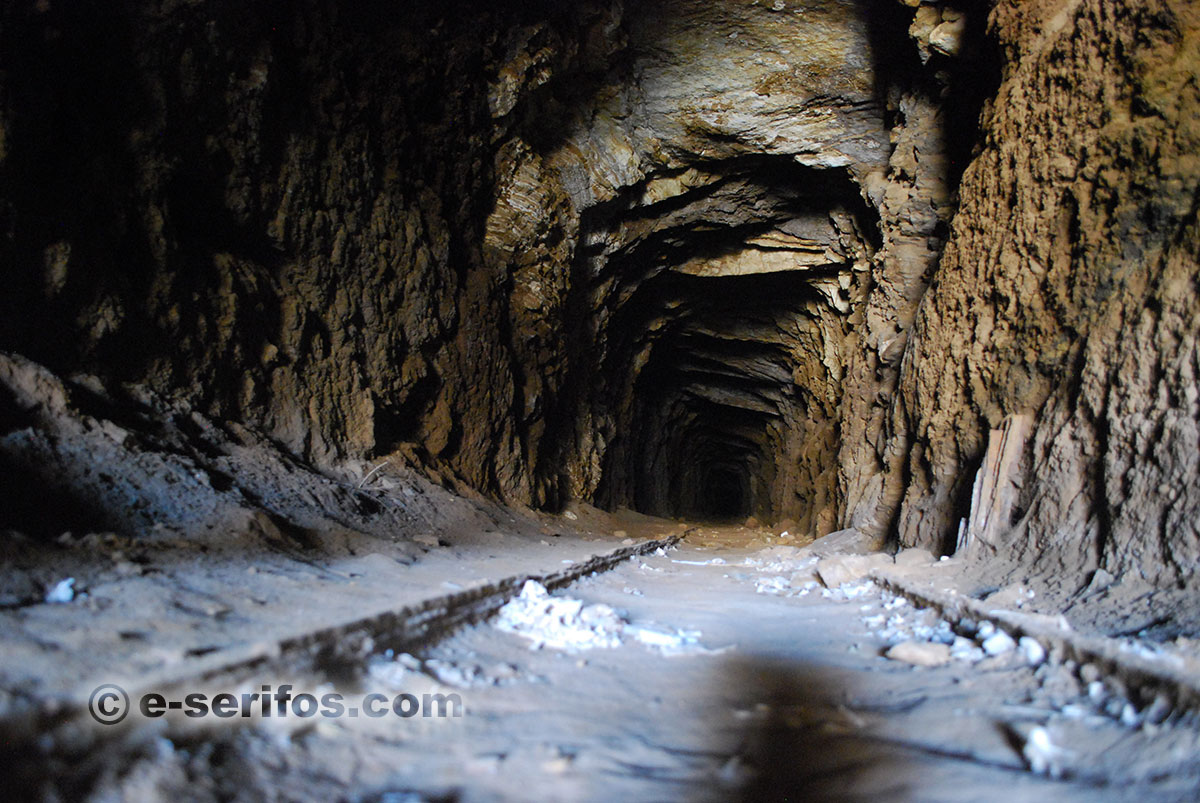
(792, 260)
(1067, 291)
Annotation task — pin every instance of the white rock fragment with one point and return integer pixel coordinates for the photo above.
(655, 638)
(1075, 711)
(673, 642)
(394, 674)
(920, 653)
(856, 590)
(559, 622)
(1032, 651)
(963, 649)
(1042, 755)
(771, 585)
(998, 643)
(567, 624)
(939, 631)
(450, 674)
(62, 591)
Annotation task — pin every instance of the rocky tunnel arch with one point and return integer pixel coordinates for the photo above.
(699, 258)
(725, 310)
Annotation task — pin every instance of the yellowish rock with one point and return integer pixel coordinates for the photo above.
(920, 653)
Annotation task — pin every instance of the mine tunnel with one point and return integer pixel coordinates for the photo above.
(721, 291)
(663, 400)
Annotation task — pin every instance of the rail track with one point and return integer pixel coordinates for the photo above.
(42, 741)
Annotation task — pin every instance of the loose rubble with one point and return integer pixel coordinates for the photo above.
(559, 622)
(62, 591)
(565, 623)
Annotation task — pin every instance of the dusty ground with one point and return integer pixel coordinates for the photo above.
(731, 673)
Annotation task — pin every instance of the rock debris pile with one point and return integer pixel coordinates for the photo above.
(565, 623)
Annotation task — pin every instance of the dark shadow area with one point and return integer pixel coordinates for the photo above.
(724, 494)
(971, 77)
(804, 748)
(644, 303)
(74, 93)
(41, 503)
(815, 742)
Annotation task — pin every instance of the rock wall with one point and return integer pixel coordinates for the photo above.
(1067, 292)
(733, 143)
(536, 252)
(274, 211)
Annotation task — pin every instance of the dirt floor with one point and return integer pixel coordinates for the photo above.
(738, 665)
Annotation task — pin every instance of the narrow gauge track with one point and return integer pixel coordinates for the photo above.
(66, 732)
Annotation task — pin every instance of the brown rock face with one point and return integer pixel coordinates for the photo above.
(712, 259)
(1067, 291)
